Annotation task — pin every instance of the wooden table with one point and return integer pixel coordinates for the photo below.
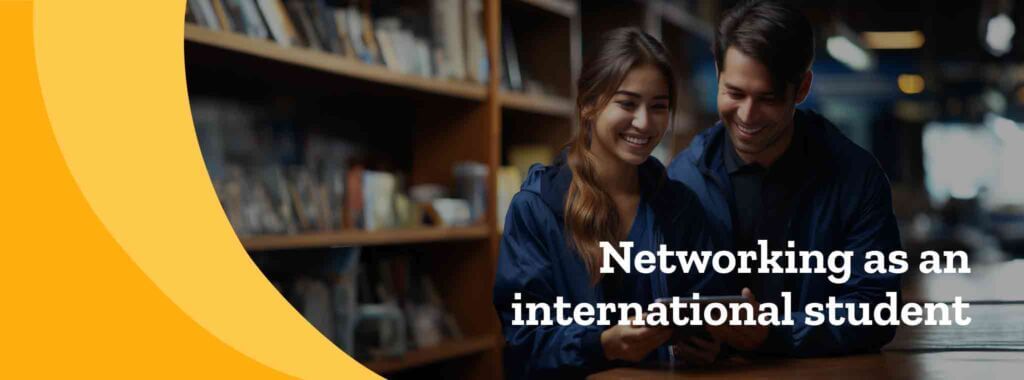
(991, 347)
(887, 365)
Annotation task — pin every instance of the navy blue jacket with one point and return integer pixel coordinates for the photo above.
(843, 202)
(536, 260)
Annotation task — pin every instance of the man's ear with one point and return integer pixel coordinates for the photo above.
(805, 87)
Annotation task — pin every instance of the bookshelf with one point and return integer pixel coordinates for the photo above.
(423, 126)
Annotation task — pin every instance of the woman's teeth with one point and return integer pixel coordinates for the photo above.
(636, 140)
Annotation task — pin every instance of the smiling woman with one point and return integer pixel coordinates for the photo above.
(608, 189)
(626, 93)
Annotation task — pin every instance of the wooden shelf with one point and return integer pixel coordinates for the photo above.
(364, 238)
(331, 63)
(429, 355)
(540, 104)
(561, 7)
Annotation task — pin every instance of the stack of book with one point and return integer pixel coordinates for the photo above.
(449, 44)
(274, 178)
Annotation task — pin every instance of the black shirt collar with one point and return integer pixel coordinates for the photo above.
(790, 159)
(732, 160)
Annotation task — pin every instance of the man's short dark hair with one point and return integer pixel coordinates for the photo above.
(775, 34)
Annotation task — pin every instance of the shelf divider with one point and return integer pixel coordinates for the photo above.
(364, 238)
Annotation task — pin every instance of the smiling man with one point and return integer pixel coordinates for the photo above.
(769, 171)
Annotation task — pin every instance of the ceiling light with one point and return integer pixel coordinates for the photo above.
(913, 39)
(999, 33)
(845, 51)
(910, 83)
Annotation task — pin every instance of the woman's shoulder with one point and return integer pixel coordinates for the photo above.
(529, 210)
(543, 190)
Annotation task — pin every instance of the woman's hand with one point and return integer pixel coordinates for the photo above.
(633, 343)
(697, 351)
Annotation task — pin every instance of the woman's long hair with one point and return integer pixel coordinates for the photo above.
(590, 212)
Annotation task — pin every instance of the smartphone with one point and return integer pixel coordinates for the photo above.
(704, 300)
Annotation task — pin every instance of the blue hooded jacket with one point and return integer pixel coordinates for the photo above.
(536, 261)
(843, 202)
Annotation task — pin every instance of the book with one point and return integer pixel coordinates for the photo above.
(323, 24)
(366, 33)
(378, 200)
(334, 188)
(447, 22)
(205, 14)
(386, 31)
(406, 46)
(304, 24)
(355, 19)
(276, 21)
(222, 16)
(234, 19)
(513, 78)
(342, 30)
(241, 16)
(189, 15)
(476, 46)
(416, 38)
(354, 197)
(280, 214)
(306, 198)
(290, 29)
(423, 56)
(255, 25)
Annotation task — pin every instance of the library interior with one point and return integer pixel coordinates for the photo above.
(366, 153)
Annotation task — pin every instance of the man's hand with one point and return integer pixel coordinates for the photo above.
(633, 343)
(696, 351)
(744, 338)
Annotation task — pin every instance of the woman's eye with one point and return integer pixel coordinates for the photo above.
(734, 95)
(626, 104)
(660, 106)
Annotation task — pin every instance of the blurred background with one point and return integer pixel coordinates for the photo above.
(365, 151)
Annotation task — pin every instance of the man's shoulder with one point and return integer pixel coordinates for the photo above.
(685, 166)
(846, 159)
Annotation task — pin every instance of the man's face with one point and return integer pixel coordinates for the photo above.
(758, 118)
